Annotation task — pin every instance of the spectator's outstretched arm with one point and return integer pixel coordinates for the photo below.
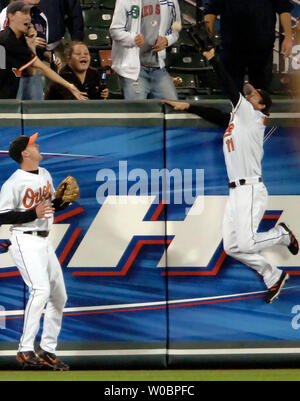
(52, 76)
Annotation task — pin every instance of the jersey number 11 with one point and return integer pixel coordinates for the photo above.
(229, 141)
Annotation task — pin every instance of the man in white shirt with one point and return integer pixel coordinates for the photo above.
(141, 31)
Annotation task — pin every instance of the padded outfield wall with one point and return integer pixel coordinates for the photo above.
(148, 282)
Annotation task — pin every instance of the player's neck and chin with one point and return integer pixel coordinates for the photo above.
(30, 166)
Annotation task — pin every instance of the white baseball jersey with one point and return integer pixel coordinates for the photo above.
(243, 141)
(35, 258)
(243, 151)
(24, 191)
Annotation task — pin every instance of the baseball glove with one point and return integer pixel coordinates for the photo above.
(202, 37)
(68, 190)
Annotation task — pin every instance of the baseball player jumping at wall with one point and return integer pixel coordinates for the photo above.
(28, 202)
(243, 152)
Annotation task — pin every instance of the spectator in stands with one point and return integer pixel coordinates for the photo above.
(18, 50)
(78, 72)
(247, 29)
(31, 86)
(63, 15)
(140, 38)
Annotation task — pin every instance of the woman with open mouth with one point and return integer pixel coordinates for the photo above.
(79, 72)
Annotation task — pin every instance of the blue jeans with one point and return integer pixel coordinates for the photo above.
(31, 88)
(152, 83)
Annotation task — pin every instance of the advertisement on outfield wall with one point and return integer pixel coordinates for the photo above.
(141, 250)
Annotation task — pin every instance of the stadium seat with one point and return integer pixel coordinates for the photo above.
(188, 11)
(97, 17)
(67, 37)
(99, 3)
(208, 82)
(183, 56)
(185, 59)
(95, 59)
(105, 57)
(114, 86)
(192, 68)
(97, 38)
(184, 38)
(186, 84)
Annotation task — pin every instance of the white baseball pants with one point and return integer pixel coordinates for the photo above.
(244, 210)
(41, 271)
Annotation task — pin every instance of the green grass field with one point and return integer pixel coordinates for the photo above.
(155, 375)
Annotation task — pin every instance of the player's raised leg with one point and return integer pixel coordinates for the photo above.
(256, 261)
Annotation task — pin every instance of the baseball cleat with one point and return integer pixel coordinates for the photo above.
(29, 359)
(294, 246)
(51, 360)
(275, 290)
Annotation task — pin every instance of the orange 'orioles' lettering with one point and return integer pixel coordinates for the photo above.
(32, 198)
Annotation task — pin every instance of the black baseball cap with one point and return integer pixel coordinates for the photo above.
(266, 99)
(15, 6)
(19, 144)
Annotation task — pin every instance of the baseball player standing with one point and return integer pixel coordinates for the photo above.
(243, 152)
(27, 202)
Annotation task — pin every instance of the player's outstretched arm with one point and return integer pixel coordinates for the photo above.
(225, 78)
(211, 114)
(177, 105)
(210, 54)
